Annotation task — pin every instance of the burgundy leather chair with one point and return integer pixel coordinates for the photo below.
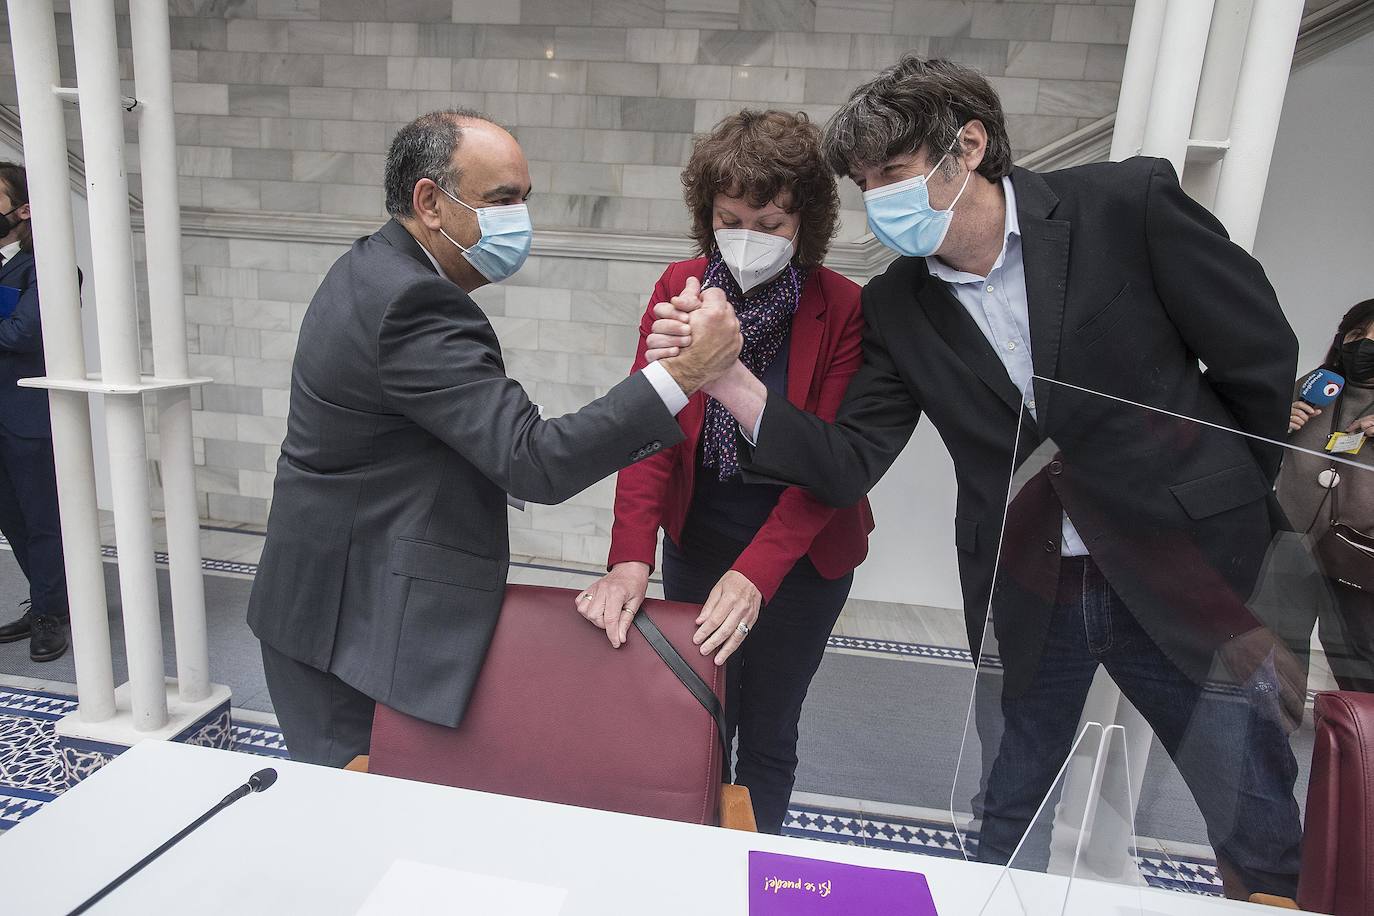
(558, 715)
(1338, 841)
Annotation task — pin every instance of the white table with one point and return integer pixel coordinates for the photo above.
(321, 839)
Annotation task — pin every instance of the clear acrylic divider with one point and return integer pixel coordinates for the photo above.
(1165, 595)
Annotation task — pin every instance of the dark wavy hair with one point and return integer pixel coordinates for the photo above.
(915, 103)
(16, 184)
(760, 157)
(1359, 318)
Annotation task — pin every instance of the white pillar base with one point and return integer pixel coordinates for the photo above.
(87, 746)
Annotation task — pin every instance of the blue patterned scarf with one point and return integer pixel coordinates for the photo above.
(764, 319)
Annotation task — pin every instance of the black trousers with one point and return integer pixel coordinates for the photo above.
(323, 720)
(1348, 639)
(768, 677)
(30, 521)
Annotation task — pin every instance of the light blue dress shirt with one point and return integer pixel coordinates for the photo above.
(998, 304)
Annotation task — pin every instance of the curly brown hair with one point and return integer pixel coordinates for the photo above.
(764, 157)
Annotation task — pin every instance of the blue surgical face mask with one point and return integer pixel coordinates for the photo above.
(505, 241)
(902, 218)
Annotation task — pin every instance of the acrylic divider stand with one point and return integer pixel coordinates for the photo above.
(1034, 883)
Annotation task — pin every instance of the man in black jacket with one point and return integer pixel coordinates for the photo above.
(28, 481)
(385, 563)
(1028, 317)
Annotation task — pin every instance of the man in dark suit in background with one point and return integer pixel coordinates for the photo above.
(1133, 539)
(385, 562)
(28, 482)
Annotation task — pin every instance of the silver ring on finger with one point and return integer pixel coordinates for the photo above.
(743, 628)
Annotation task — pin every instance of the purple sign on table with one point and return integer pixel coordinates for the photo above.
(792, 886)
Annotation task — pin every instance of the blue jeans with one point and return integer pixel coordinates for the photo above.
(1228, 743)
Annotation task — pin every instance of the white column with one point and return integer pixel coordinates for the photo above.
(166, 302)
(1178, 69)
(107, 187)
(1216, 94)
(1138, 78)
(34, 38)
(1255, 116)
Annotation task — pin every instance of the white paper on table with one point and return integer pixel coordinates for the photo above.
(417, 889)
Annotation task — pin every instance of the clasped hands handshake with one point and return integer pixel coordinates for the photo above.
(697, 337)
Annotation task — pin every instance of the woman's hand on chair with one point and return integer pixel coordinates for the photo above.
(734, 601)
(613, 600)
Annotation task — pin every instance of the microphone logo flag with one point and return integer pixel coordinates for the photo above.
(1321, 388)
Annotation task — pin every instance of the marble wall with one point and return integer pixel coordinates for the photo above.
(287, 107)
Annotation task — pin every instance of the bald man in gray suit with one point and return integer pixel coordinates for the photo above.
(387, 551)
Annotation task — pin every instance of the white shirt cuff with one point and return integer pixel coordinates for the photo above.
(667, 387)
(753, 438)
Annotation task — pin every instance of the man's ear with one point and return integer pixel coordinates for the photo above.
(424, 201)
(24, 212)
(974, 144)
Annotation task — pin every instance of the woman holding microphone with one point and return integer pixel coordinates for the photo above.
(1319, 495)
(770, 566)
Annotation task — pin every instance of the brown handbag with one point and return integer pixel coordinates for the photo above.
(1347, 556)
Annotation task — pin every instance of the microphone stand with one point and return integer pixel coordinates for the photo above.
(260, 781)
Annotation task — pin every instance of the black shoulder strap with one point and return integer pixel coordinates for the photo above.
(690, 679)
(1335, 486)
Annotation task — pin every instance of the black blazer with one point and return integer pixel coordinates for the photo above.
(1130, 283)
(387, 551)
(23, 411)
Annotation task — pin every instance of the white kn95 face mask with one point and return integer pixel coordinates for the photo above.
(754, 258)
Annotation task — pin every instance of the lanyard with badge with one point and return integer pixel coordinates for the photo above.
(1340, 443)
(1337, 443)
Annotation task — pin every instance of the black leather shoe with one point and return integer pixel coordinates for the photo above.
(48, 639)
(16, 630)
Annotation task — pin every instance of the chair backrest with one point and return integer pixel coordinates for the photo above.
(1338, 839)
(558, 715)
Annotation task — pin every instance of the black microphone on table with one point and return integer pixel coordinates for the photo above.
(260, 781)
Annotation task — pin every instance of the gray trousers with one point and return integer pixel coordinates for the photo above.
(323, 720)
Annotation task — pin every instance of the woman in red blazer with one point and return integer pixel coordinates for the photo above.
(766, 562)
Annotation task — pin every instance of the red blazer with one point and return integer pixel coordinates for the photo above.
(824, 354)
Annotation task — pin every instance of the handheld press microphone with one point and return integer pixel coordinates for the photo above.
(260, 781)
(1321, 388)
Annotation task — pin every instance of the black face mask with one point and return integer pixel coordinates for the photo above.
(1357, 359)
(10, 223)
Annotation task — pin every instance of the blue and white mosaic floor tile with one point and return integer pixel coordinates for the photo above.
(31, 768)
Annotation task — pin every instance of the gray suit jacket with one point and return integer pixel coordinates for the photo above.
(387, 547)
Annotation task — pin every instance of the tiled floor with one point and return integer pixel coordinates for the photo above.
(861, 619)
(224, 546)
